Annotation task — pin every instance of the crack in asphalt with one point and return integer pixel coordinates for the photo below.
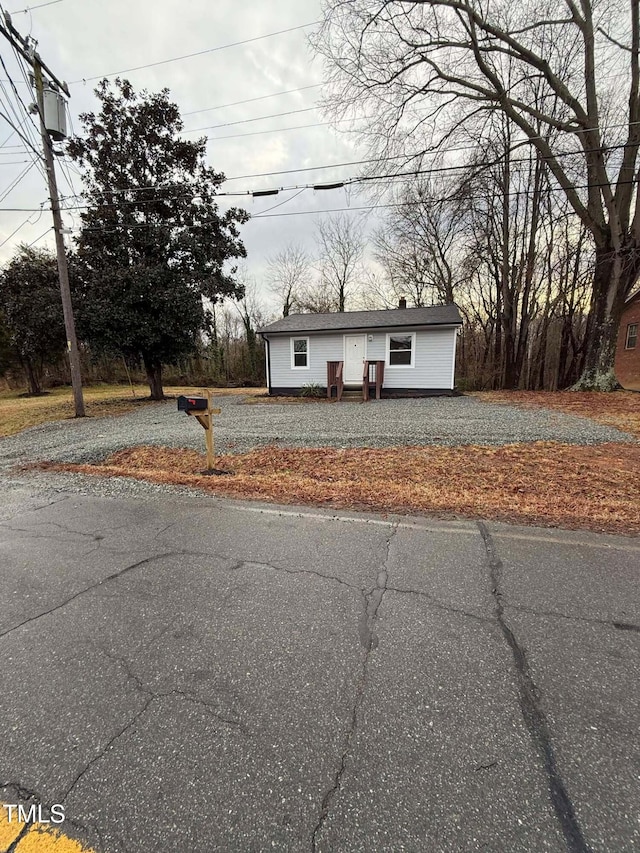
(22, 792)
(155, 694)
(40, 506)
(73, 538)
(532, 711)
(150, 696)
(73, 535)
(371, 605)
(250, 563)
(554, 614)
(14, 844)
(111, 577)
(33, 797)
(368, 594)
(106, 747)
(626, 626)
(440, 605)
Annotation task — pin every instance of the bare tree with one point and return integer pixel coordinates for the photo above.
(377, 291)
(438, 65)
(418, 245)
(340, 250)
(288, 277)
(251, 312)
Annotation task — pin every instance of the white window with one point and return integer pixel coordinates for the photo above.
(401, 349)
(299, 353)
(632, 336)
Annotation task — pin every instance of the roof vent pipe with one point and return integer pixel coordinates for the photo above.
(402, 303)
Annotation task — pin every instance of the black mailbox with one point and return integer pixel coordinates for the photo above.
(192, 404)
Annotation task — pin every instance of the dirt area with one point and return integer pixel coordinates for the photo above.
(544, 483)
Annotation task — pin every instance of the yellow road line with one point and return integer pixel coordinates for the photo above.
(8, 831)
(39, 839)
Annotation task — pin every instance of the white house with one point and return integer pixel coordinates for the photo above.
(412, 351)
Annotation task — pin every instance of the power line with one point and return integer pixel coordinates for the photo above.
(20, 209)
(29, 245)
(39, 6)
(26, 109)
(16, 181)
(19, 147)
(28, 117)
(251, 100)
(196, 53)
(381, 206)
(286, 201)
(337, 184)
(280, 129)
(247, 120)
(11, 108)
(24, 138)
(28, 219)
(318, 168)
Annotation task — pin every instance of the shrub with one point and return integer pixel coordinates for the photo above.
(312, 389)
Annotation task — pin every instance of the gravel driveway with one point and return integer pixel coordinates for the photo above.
(240, 427)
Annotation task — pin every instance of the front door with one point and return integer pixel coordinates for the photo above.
(354, 355)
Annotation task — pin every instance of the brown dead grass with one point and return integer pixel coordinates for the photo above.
(620, 409)
(545, 483)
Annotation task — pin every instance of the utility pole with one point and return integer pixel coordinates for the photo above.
(31, 56)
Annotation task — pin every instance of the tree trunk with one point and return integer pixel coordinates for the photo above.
(614, 276)
(154, 377)
(32, 377)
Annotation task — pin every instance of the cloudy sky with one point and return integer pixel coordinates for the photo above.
(84, 40)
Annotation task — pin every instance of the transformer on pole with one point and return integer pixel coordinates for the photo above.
(50, 106)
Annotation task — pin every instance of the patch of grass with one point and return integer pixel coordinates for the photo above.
(619, 409)
(544, 483)
(18, 412)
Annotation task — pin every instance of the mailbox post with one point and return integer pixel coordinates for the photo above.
(201, 409)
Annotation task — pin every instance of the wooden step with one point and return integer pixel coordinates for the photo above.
(352, 394)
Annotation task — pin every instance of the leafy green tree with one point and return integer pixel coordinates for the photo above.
(7, 354)
(32, 312)
(153, 246)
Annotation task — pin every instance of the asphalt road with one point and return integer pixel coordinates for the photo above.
(197, 675)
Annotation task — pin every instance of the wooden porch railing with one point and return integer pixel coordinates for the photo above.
(334, 378)
(377, 367)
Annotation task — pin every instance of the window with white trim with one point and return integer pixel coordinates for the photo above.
(299, 353)
(401, 349)
(632, 336)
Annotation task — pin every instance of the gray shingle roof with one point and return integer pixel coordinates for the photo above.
(434, 315)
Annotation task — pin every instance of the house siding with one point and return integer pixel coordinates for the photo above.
(628, 360)
(433, 367)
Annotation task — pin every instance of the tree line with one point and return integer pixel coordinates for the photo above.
(504, 142)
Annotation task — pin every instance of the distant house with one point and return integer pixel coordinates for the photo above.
(412, 351)
(628, 348)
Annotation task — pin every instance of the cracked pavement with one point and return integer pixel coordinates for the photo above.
(205, 675)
